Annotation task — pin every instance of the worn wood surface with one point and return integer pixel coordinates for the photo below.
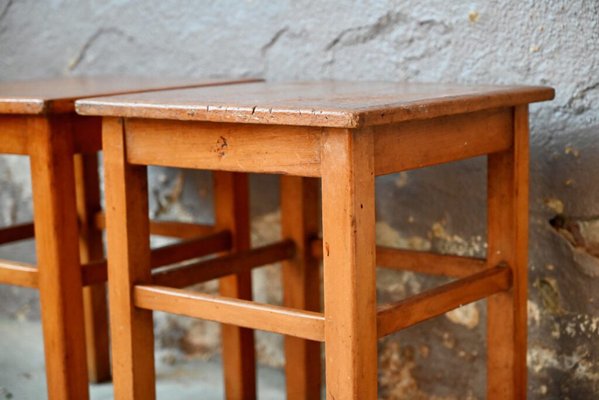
(245, 148)
(301, 282)
(326, 104)
(59, 275)
(507, 215)
(128, 240)
(58, 95)
(349, 264)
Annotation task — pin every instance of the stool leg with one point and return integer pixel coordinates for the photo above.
(58, 257)
(87, 185)
(349, 264)
(231, 199)
(508, 242)
(301, 282)
(128, 264)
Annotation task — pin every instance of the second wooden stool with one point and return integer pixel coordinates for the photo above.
(37, 119)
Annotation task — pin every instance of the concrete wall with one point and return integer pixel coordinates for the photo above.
(534, 42)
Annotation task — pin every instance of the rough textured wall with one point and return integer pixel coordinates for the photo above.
(536, 42)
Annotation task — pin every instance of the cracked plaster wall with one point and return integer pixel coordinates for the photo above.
(536, 42)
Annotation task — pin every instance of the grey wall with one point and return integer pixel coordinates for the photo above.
(534, 42)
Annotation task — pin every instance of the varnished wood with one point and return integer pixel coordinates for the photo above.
(59, 274)
(419, 261)
(322, 104)
(87, 134)
(95, 272)
(508, 242)
(191, 248)
(15, 139)
(237, 263)
(283, 320)
(301, 282)
(346, 133)
(349, 264)
(182, 230)
(422, 143)
(128, 263)
(20, 124)
(58, 95)
(91, 247)
(231, 199)
(176, 229)
(405, 313)
(18, 274)
(247, 148)
(15, 233)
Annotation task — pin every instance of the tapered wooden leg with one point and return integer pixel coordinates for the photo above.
(301, 282)
(127, 228)
(91, 248)
(231, 198)
(508, 242)
(349, 265)
(58, 257)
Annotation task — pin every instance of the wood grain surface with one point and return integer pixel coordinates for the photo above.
(325, 103)
(38, 96)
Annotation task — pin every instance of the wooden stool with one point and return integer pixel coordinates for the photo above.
(346, 134)
(37, 119)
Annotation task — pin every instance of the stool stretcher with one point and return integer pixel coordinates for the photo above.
(402, 314)
(227, 310)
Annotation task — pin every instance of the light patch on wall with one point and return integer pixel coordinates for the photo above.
(555, 204)
(534, 314)
(579, 362)
(387, 236)
(473, 16)
(467, 316)
(444, 242)
(572, 151)
(401, 180)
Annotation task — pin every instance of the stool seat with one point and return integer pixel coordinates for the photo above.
(325, 104)
(58, 95)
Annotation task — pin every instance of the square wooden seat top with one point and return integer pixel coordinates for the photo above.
(58, 95)
(326, 103)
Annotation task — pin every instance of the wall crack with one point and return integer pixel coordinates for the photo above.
(92, 40)
(264, 49)
(366, 33)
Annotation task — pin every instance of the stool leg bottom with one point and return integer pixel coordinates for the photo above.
(349, 264)
(87, 186)
(301, 283)
(58, 257)
(231, 199)
(508, 242)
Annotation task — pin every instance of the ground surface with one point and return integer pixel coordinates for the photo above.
(22, 366)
